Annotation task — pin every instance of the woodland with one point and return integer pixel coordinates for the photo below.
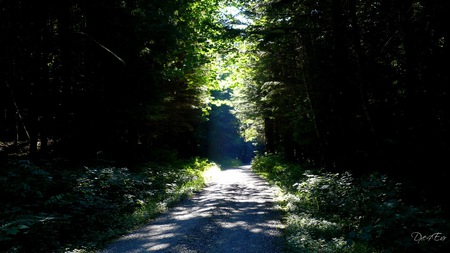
(110, 108)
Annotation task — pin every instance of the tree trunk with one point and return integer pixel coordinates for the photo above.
(270, 135)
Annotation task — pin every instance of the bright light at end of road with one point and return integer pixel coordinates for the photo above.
(212, 173)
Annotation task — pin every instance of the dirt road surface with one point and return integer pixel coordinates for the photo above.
(234, 213)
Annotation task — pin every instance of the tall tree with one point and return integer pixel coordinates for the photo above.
(83, 78)
(351, 84)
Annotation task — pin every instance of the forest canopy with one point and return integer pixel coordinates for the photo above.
(340, 84)
(118, 78)
(352, 85)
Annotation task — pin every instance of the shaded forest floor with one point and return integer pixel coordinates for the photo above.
(13, 149)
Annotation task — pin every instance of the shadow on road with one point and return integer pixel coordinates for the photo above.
(235, 213)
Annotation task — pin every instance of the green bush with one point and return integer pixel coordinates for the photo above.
(50, 209)
(276, 169)
(336, 212)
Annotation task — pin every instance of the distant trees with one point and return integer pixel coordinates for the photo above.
(349, 84)
(223, 143)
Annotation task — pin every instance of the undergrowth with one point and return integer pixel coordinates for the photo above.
(338, 212)
(48, 207)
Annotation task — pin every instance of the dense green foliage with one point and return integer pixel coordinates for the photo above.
(337, 212)
(52, 208)
(352, 85)
(117, 78)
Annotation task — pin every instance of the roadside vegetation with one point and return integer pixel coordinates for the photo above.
(51, 206)
(339, 212)
(356, 86)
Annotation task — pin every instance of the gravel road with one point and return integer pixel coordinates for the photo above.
(234, 213)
